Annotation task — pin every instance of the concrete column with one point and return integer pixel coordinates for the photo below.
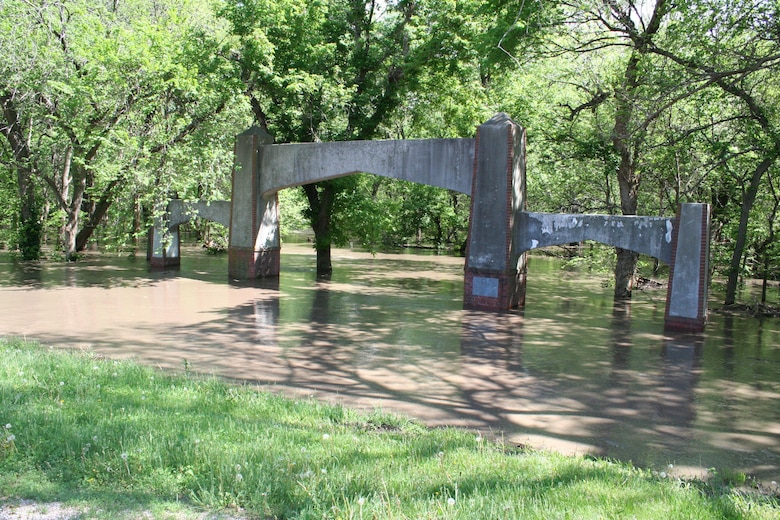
(163, 248)
(495, 269)
(686, 299)
(254, 246)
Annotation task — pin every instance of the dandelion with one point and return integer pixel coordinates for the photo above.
(325, 436)
(450, 501)
(11, 438)
(239, 477)
(324, 471)
(124, 455)
(361, 501)
(662, 474)
(8, 426)
(670, 466)
(94, 438)
(62, 383)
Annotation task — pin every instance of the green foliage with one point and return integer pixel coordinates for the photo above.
(123, 440)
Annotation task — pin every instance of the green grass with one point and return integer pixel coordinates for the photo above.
(117, 439)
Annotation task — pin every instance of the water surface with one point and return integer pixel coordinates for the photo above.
(571, 372)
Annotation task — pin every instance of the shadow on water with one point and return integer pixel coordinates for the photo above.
(572, 372)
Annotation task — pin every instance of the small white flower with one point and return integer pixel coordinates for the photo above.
(124, 455)
(8, 426)
(324, 471)
(239, 477)
(774, 483)
(238, 468)
(361, 501)
(450, 501)
(662, 474)
(670, 466)
(62, 383)
(11, 438)
(440, 454)
(94, 438)
(325, 436)
(303, 449)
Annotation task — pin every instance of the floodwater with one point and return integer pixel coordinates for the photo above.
(570, 372)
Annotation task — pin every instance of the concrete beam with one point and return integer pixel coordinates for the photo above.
(182, 211)
(446, 163)
(647, 235)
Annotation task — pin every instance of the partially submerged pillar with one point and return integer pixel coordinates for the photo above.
(254, 248)
(686, 299)
(495, 269)
(163, 249)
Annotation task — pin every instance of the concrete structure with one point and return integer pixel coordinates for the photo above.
(163, 249)
(490, 168)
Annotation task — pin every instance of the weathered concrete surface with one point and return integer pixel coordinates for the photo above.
(647, 235)
(686, 300)
(495, 266)
(254, 245)
(182, 211)
(446, 163)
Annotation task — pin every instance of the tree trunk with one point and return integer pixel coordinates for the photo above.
(30, 232)
(628, 180)
(97, 211)
(748, 199)
(320, 196)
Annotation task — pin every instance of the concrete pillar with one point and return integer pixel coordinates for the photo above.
(495, 270)
(254, 246)
(686, 299)
(163, 249)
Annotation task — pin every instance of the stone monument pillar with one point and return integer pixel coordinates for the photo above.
(254, 246)
(163, 249)
(495, 269)
(686, 299)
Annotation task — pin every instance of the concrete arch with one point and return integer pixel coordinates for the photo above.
(445, 163)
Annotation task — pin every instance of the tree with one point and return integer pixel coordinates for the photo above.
(335, 70)
(675, 79)
(91, 91)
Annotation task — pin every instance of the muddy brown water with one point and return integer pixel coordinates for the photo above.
(570, 372)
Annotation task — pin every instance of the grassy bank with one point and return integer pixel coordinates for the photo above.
(118, 439)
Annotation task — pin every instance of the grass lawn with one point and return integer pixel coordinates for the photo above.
(120, 440)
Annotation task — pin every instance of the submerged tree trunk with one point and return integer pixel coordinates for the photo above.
(30, 231)
(628, 181)
(320, 196)
(748, 199)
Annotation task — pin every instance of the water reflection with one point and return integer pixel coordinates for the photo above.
(571, 372)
